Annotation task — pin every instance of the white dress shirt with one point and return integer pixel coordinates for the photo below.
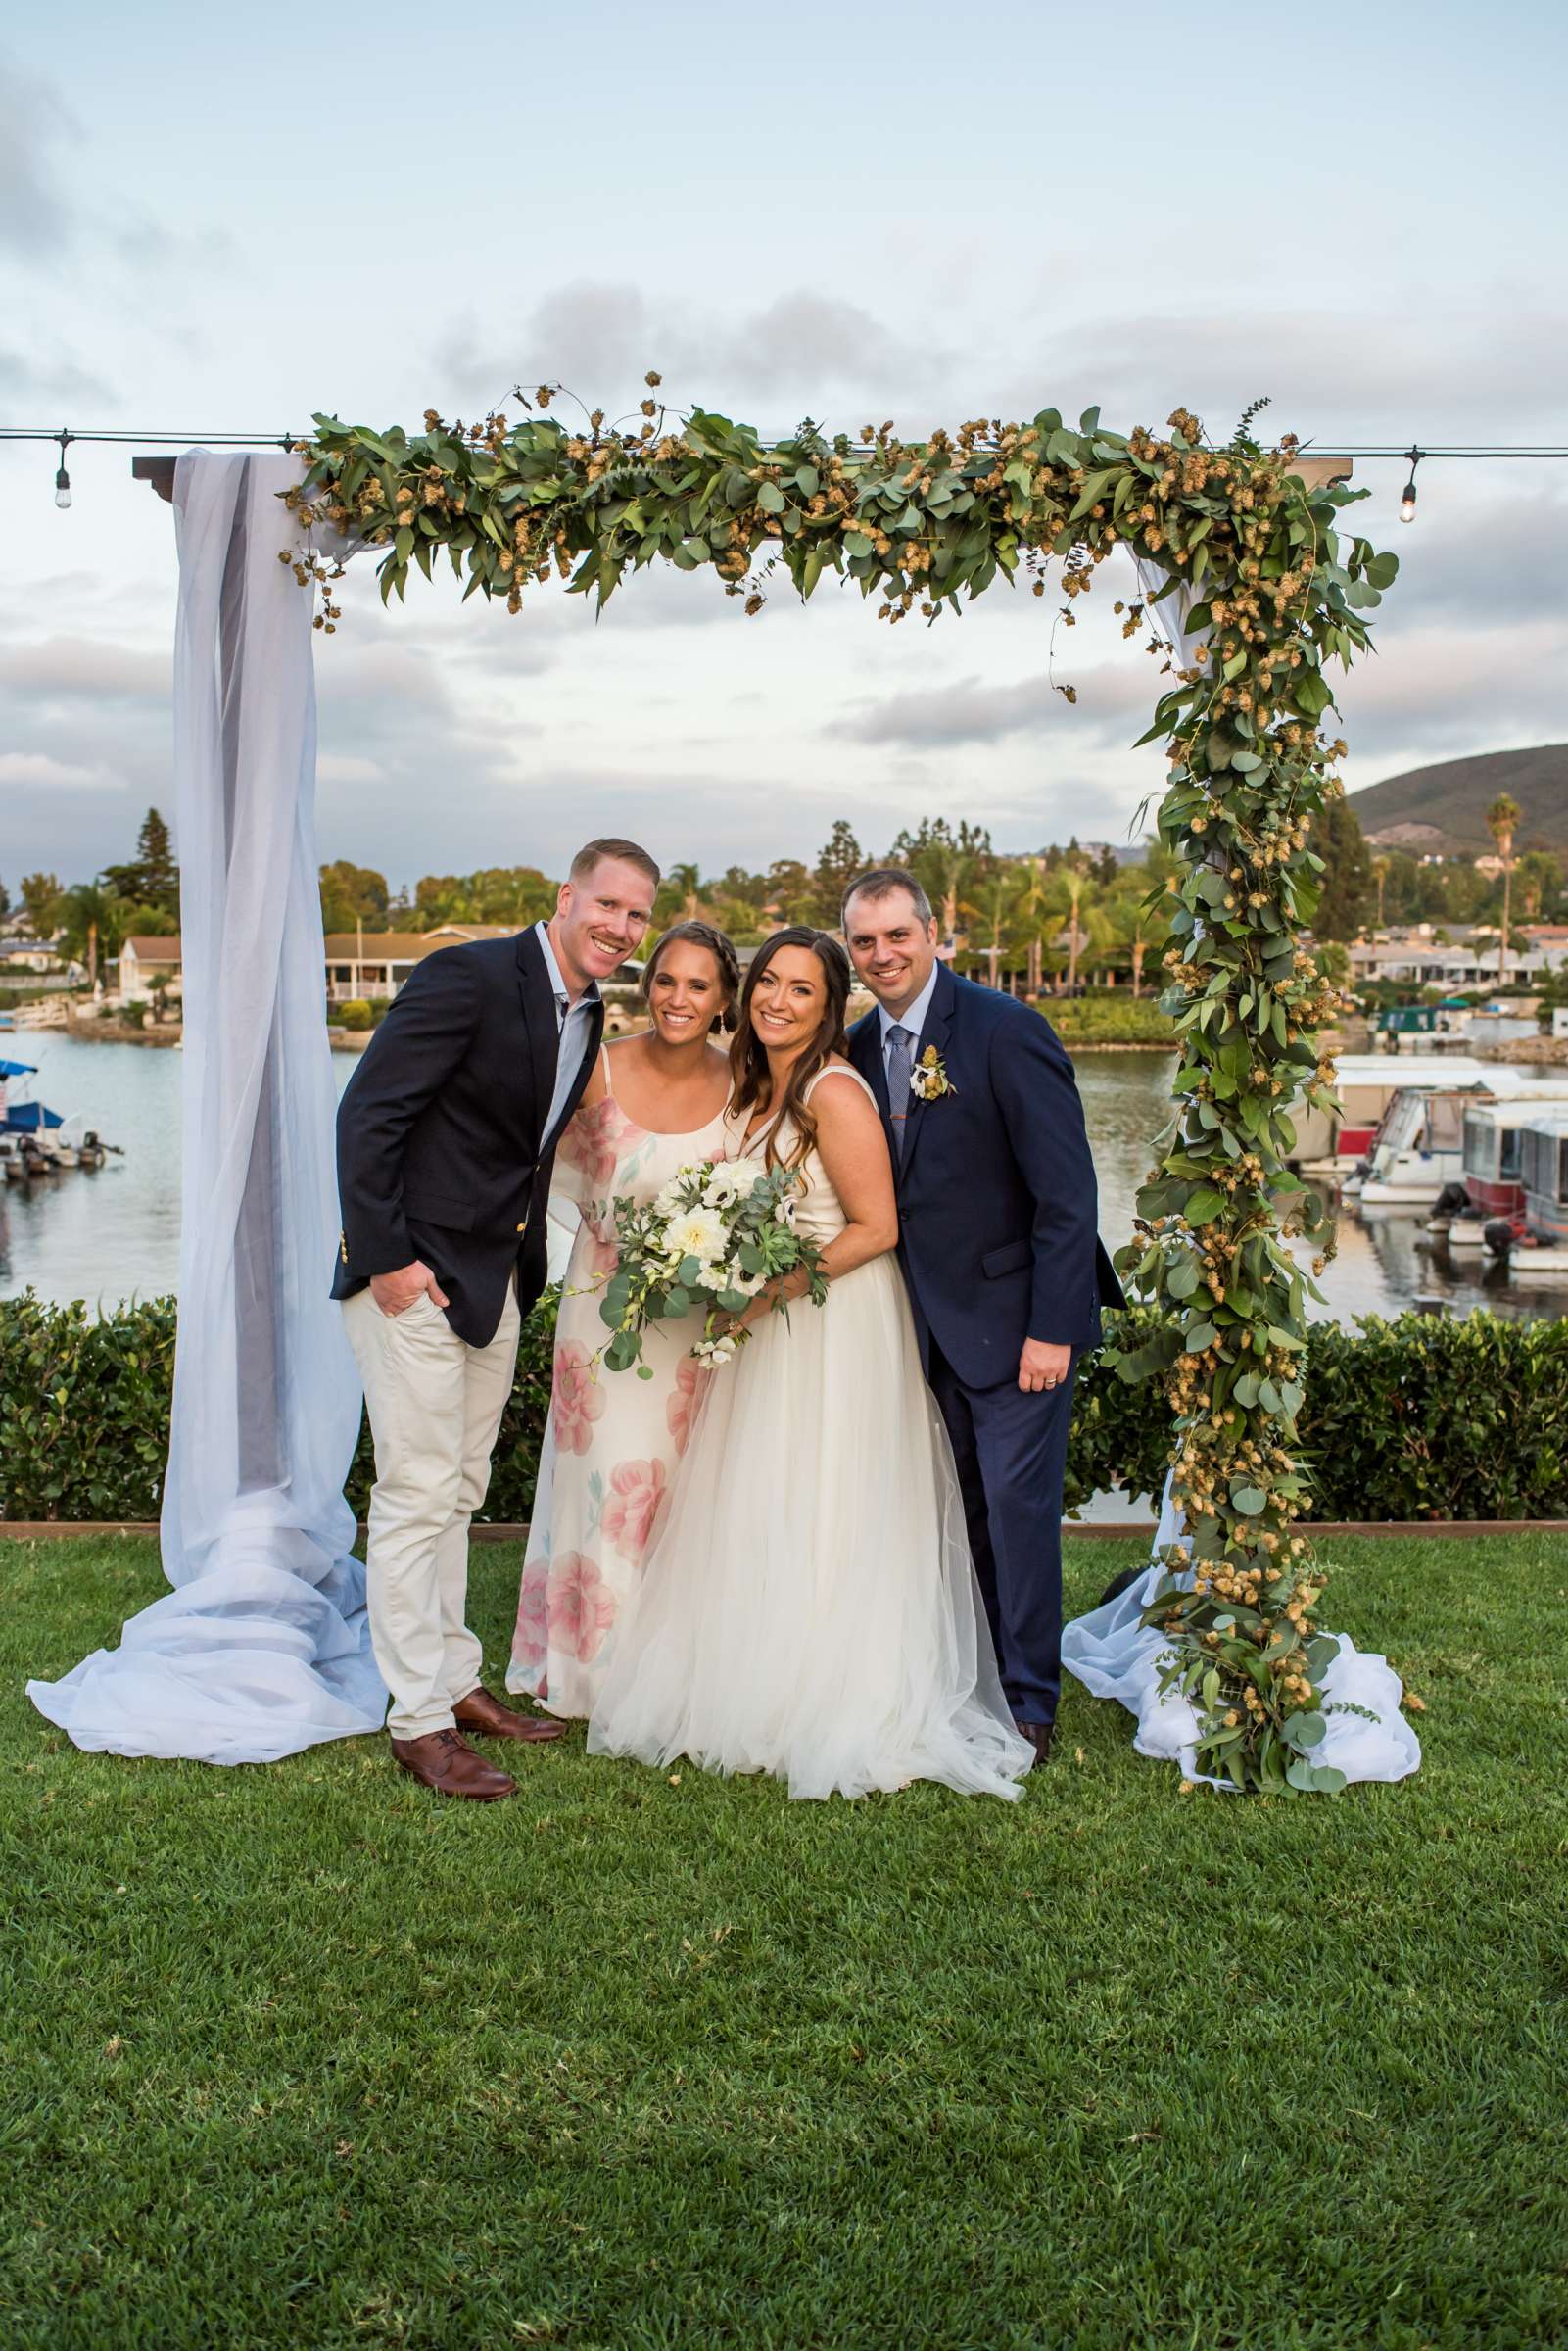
(573, 1023)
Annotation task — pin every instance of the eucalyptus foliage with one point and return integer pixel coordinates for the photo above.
(1272, 594)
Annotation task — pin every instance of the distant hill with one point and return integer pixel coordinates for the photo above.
(1442, 809)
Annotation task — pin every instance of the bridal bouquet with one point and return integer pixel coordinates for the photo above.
(714, 1236)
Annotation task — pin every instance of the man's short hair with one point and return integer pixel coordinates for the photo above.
(595, 852)
(881, 882)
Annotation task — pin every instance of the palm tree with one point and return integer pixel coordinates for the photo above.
(1502, 817)
(1380, 874)
(1134, 926)
(1075, 875)
(1011, 896)
(88, 916)
(1035, 904)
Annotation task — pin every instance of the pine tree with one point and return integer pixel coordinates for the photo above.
(155, 854)
(839, 861)
(152, 878)
(1347, 874)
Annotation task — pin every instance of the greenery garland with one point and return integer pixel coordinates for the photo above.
(1274, 594)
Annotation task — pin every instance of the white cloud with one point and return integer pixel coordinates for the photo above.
(51, 380)
(600, 338)
(979, 709)
(36, 771)
(60, 668)
(342, 767)
(1449, 689)
(35, 215)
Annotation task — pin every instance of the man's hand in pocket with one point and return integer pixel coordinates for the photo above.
(396, 1292)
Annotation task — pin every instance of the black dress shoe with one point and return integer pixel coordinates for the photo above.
(1122, 1583)
(1038, 1734)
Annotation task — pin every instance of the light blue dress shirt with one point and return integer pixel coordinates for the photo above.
(573, 1023)
(914, 1019)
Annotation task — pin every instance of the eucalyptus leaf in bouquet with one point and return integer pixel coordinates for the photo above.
(714, 1237)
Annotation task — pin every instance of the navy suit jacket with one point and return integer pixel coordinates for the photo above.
(441, 1150)
(997, 1202)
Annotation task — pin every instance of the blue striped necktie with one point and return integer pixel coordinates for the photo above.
(900, 1054)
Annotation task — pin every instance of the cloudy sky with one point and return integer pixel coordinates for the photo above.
(886, 213)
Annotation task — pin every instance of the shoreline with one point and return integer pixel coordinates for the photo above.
(116, 1033)
(1107, 1045)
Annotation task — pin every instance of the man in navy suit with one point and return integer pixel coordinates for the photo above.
(1000, 1253)
(445, 1138)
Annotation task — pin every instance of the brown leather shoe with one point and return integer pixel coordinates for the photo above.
(444, 1762)
(486, 1719)
(1039, 1735)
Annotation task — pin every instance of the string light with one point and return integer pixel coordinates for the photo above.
(1414, 456)
(1408, 500)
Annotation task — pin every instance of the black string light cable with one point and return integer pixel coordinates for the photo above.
(1367, 453)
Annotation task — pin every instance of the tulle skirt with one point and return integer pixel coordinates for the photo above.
(811, 1610)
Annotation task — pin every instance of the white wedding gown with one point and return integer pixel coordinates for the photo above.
(811, 1608)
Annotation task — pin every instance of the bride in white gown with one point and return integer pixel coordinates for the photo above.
(811, 1610)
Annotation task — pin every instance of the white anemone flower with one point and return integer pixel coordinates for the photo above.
(727, 1181)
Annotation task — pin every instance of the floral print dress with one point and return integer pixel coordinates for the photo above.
(614, 1441)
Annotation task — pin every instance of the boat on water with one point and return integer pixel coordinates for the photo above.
(1417, 1153)
(35, 1140)
(1534, 1237)
(1491, 1180)
(1334, 1147)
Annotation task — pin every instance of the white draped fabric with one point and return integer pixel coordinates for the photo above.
(261, 1647)
(1115, 1654)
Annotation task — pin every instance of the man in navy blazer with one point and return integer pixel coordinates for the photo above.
(1000, 1252)
(445, 1138)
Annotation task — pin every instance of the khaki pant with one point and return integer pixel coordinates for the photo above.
(435, 1406)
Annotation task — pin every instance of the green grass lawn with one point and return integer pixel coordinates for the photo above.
(304, 2057)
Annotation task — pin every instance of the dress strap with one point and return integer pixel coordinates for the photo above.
(605, 1065)
(837, 1069)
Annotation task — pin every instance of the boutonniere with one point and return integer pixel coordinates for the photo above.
(928, 1079)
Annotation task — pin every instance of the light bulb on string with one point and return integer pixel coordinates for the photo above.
(1408, 500)
(61, 477)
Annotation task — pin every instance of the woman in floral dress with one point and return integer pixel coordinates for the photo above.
(656, 1104)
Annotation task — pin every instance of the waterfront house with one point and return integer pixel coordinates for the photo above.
(1462, 957)
(139, 960)
(19, 957)
(362, 966)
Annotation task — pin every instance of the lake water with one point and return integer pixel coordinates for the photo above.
(114, 1232)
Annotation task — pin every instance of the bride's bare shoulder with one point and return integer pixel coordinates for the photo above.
(836, 1066)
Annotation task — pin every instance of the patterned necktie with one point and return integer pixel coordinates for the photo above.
(901, 1053)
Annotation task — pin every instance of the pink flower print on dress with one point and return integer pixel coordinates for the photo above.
(635, 1507)
(582, 1605)
(530, 1641)
(599, 1256)
(577, 1400)
(593, 1140)
(680, 1405)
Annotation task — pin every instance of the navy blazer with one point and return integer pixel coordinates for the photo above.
(441, 1149)
(997, 1202)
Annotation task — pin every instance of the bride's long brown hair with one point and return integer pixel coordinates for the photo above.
(751, 1084)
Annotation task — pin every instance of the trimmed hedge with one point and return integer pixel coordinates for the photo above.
(1414, 1418)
